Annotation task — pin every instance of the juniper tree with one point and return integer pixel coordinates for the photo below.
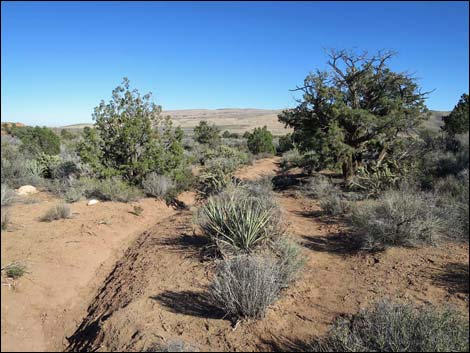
(131, 138)
(457, 121)
(354, 110)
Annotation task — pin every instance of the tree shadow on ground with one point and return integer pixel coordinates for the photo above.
(454, 277)
(189, 303)
(338, 243)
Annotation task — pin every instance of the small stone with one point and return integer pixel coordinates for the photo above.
(92, 202)
(27, 190)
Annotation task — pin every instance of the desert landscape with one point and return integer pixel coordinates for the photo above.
(338, 221)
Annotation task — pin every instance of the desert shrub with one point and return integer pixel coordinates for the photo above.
(291, 159)
(5, 218)
(404, 217)
(7, 195)
(318, 187)
(389, 327)
(37, 140)
(260, 141)
(137, 210)
(230, 135)
(15, 270)
(334, 204)
(112, 189)
(207, 134)
(289, 259)
(454, 204)
(236, 221)
(157, 185)
(60, 211)
(19, 168)
(73, 194)
(215, 176)
(245, 286)
(285, 143)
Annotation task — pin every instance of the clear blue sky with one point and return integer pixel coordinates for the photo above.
(60, 59)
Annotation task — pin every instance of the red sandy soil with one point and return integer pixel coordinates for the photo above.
(155, 291)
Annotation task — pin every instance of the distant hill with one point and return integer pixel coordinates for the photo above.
(241, 120)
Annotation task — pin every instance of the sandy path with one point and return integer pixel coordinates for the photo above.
(66, 260)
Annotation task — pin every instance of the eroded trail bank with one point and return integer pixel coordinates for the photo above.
(156, 292)
(67, 260)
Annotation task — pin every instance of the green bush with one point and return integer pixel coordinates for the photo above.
(457, 121)
(260, 141)
(404, 217)
(333, 204)
(245, 286)
(285, 144)
(37, 140)
(207, 134)
(15, 270)
(131, 138)
(60, 211)
(389, 327)
(215, 176)
(19, 168)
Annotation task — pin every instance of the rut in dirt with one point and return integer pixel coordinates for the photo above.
(128, 279)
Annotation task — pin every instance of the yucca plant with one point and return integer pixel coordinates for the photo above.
(236, 221)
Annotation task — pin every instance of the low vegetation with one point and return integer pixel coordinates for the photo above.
(15, 270)
(390, 327)
(245, 286)
(405, 217)
(59, 211)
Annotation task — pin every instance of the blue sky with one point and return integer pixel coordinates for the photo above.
(60, 59)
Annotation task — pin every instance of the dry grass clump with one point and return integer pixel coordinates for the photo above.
(157, 185)
(60, 211)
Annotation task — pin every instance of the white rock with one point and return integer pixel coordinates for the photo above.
(26, 190)
(92, 202)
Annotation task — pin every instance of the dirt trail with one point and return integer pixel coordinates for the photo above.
(156, 291)
(66, 260)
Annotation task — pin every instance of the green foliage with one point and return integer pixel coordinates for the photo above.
(457, 121)
(285, 144)
(353, 112)
(36, 140)
(260, 141)
(15, 270)
(236, 221)
(207, 134)
(130, 138)
(390, 327)
(66, 135)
